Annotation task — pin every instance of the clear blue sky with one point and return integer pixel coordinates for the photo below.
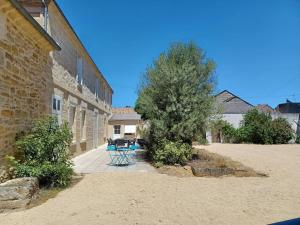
(255, 44)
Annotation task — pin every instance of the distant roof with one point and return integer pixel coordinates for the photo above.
(289, 107)
(125, 116)
(232, 104)
(265, 108)
(123, 110)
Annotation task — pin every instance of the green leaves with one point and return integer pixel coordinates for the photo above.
(176, 94)
(256, 127)
(43, 153)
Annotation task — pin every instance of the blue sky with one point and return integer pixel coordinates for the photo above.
(255, 44)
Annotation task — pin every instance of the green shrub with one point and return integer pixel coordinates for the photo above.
(297, 141)
(256, 128)
(281, 131)
(259, 128)
(173, 153)
(43, 153)
(51, 175)
(228, 132)
(201, 140)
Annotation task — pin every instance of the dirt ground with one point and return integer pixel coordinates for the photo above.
(144, 198)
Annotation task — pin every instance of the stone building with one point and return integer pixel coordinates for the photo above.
(45, 69)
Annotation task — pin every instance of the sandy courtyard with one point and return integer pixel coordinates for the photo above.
(144, 198)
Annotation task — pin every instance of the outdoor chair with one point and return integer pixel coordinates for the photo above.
(121, 152)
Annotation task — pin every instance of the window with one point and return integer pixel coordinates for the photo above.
(130, 129)
(117, 129)
(72, 124)
(82, 125)
(79, 70)
(105, 95)
(102, 91)
(56, 107)
(110, 98)
(97, 88)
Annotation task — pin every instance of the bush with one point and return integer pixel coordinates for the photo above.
(259, 128)
(43, 153)
(228, 132)
(171, 153)
(201, 140)
(281, 131)
(297, 140)
(256, 128)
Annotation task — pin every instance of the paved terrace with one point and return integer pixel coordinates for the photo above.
(97, 160)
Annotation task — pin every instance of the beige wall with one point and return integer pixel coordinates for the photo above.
(26, 83)
(30, 76)
(83, 97)
(122, 123)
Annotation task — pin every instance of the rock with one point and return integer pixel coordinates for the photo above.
(4, 176)
(17, 193)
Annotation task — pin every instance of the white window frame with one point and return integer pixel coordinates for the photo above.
(57, 107)
(79, 70)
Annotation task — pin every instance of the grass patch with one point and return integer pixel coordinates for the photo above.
(207, 164)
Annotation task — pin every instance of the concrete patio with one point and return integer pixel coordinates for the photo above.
(97, 160)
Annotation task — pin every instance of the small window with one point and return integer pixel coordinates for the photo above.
(56, 107)
(54, 104)
(79, 72)
(117, 129)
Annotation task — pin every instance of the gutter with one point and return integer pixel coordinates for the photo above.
(45, 15)
(34, 23)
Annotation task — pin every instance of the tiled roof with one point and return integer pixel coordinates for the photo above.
(232, 104)
(123, 110)
(265, 108)
(125, 116)
(289, 107)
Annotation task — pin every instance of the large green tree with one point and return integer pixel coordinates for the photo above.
(175, 94)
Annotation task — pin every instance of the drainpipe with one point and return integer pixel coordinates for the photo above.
(45, 14)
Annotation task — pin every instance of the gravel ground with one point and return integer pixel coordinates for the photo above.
(122, 198)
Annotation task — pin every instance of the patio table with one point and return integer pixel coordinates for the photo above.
(121, 155)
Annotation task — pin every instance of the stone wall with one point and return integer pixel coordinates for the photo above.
(81, 96)
(26, 83)
(30, 77)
